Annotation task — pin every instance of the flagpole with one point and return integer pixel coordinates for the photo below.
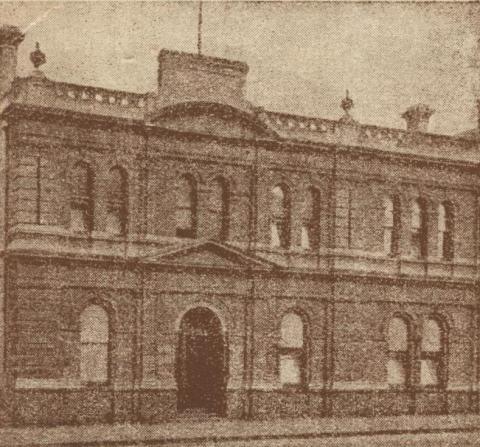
(199, 42)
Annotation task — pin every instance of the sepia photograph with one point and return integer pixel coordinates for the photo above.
(239, 223)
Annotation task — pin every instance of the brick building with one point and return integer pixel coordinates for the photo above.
(183, 251)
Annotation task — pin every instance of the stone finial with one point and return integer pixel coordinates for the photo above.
(37, 57)
(417, 117)
(10, 35)
(347, 105)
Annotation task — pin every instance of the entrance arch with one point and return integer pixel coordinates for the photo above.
(201, 363)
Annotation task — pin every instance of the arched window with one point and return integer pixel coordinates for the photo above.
(117, 206)
(391, 225)
(220, 203)
(186, 209)
(433, 354)
(310, 237)
(419, 229)
(398, 339)
(445, 231)
(94, 341)
(280, 217)
(81, 199)
(292, 356)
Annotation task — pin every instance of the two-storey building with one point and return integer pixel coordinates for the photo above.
(183, 251)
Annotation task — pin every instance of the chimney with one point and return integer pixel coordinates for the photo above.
(186, 77)
(417, 117)
(10, 38)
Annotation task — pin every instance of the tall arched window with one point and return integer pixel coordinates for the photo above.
(94, 341)
(220, 203)
(419, 229)
(310, 237)
(81, 199)
(292, 355)
(186, 209)
(445, 231)
(117, 206)
(399, 349)
(391, 225)
(280, 217)
(433, 354)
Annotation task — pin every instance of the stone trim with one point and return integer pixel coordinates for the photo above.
(360, 386)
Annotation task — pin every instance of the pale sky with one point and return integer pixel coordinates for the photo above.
(302, 56)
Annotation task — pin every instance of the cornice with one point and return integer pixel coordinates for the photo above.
(330, 276)
(197, 61)
(48, 114)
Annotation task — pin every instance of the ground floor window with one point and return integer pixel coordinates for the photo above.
(292, 355)
(94, 342)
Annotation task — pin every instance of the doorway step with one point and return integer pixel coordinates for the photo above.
(198, 414)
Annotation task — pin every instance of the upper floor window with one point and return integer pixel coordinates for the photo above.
(310, 236)
(391, 225)
(445, 231)
(94, 343)
(280, 217)
(419, 229)
(433, 353)
(186, 208)
(399, 348)
(81, 199)
(292, 357)
(220, 202)
(117, 206)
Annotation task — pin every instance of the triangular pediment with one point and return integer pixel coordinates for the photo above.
(213, 119)
(209, 254)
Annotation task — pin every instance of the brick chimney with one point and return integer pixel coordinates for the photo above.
(10, 38)
(186, 77)
(417, 117)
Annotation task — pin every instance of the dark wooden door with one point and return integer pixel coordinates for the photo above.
(201, 362)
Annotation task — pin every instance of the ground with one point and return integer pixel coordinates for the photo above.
(463, 430)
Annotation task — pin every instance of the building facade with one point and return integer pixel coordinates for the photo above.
(183, 252)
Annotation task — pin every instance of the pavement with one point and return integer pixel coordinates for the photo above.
(211, 432)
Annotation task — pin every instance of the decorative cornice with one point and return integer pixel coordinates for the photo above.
(42, 113)
(139, 264)
(282, 144)
(195, 61)
(222, 110)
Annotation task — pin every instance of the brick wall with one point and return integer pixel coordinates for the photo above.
(347, 312)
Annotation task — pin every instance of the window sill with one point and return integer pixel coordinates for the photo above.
(58, 384)
(294, 388)
(94, 384)
(430, 388)
(399, 388)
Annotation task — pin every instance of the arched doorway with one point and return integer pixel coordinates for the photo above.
(201, 367)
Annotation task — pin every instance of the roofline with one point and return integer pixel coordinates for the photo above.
(143, 127)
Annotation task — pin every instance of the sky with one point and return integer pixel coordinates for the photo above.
(302, 56)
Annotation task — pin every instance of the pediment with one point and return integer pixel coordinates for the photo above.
(213, 119)
(209, 254)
